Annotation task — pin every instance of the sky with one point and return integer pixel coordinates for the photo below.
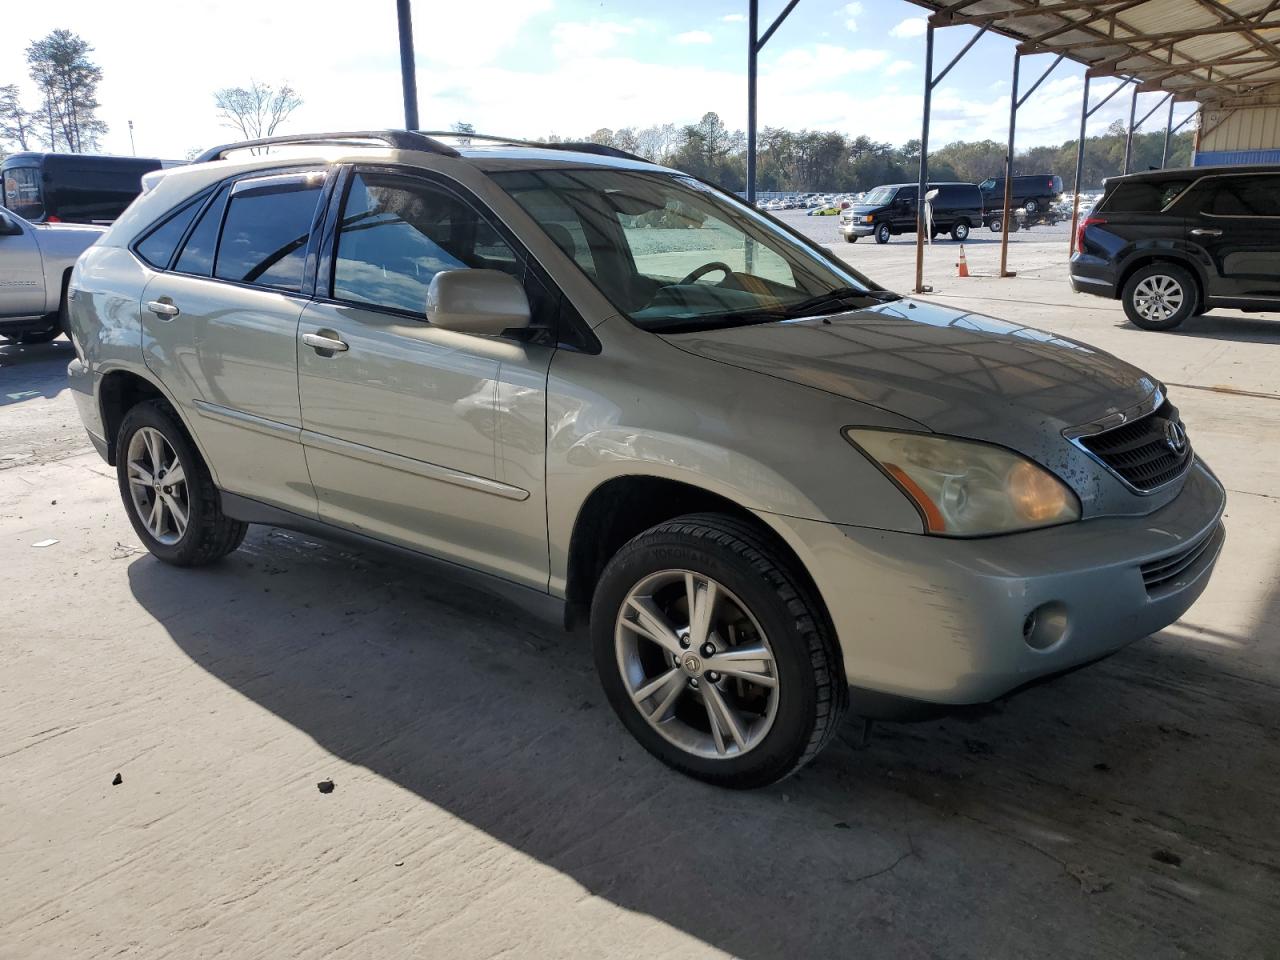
(527, 68)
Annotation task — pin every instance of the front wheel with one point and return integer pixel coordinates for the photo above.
(1159, 296)
(960, 231)
(1031, 206)
(995, 224)
(715, 654)
(883, 233)
(850, 238)
(168, 492)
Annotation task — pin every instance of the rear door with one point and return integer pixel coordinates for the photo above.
(221, 330)
(1236, 221)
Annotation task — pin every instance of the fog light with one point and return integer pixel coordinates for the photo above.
(1045, 626)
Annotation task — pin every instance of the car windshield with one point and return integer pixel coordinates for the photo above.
(879, 195)
(675, 254)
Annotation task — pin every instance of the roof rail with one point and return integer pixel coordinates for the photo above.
(398, 139)
(577, 146)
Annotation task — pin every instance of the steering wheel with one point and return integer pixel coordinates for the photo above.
(706, 268)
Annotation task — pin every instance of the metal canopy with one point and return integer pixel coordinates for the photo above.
(1218, 51)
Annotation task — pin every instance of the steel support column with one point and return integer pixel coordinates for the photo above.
(1128, 138)
(922, 187)
(407, 75)
(1168, 131)
(754, 45)
(1008, 169)
(1075, 199)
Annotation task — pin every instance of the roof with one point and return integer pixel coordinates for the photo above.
(1183, 173)
(1222, 52)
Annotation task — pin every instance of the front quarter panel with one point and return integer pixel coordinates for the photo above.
(645, 408)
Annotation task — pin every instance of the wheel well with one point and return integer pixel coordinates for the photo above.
(119, 393)
(620, 509)
(1146, 261)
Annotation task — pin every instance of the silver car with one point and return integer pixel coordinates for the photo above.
(775, 490)
(35, 267)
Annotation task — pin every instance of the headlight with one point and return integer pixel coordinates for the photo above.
(868, 218)
(967, 489)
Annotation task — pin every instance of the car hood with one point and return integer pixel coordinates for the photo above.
(857, 209)
(952, 371)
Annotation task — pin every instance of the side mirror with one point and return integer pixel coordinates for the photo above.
(482, 302)
(8, 225)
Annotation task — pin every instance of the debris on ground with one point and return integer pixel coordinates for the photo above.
(1166, 856)
(325, 786)
(45, 543)
(117, 780)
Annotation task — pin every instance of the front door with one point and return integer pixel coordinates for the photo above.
(1238, 226)
(22, 279)
(419, 436)
(222, 328)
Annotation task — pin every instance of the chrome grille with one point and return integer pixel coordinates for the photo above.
(1146, 453)
(1165, 571)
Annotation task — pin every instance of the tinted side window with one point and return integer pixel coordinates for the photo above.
(1143, 196)
(1245, 196)
(157, 247)
(197, 254)
(23, 193)
(265, 233)
(397, 233)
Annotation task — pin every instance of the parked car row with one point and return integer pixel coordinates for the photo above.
(956, 208)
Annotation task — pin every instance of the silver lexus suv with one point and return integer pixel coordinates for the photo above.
(775, 490)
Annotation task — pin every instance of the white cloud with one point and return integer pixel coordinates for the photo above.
(572, 39)
(898, 66)
(694, 36)
(852, 11)
(734, 18)
(911, 27)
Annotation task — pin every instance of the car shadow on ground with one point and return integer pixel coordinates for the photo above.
(35, 370)
(1130, 804)
(1225, 325)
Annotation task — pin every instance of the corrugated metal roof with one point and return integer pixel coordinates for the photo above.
(1212, 51)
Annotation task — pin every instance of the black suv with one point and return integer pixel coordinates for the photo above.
(890, 210)
(1172, 244)
(1033, 193)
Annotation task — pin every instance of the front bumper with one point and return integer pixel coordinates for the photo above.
(853, 229)
(942, 621)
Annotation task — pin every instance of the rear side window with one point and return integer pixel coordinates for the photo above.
(1142, 196)
(266, 229)
(157, 247)
(197, 254)
(1245, 196)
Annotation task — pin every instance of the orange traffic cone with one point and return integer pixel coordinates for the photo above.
(962, 266)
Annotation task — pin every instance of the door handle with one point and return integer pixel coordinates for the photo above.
(1206, 232)
(319, 343)
(165, 311)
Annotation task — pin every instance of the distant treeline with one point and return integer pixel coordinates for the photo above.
(827, 160)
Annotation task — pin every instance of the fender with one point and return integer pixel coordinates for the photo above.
(1188, 254)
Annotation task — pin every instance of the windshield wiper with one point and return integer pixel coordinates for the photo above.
(823, 302)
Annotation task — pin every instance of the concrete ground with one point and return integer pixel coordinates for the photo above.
(486, 802)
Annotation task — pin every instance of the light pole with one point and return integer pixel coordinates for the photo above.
(407, 75)
(132, 148)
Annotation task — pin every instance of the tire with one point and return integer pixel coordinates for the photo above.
(1032, 207)
(208, 534)
(782, 727)
(995, 224)
(883, 233)
(960, 232)
(850, 238)
(1159, 296)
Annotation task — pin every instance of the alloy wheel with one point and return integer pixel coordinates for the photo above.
(158, 485)
(696, 664)
(1158, 297)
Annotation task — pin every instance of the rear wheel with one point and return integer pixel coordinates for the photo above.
(960, 231)
(996, 224)
(1159, 296)
(1031, 206)
(883, 233)
(168, 492)
(714, 653)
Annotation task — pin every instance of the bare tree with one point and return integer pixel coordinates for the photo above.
(68, 82)
(256, 110)
(16, 122)
(462, 128)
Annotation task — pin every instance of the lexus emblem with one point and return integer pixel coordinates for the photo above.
(1175, 436)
